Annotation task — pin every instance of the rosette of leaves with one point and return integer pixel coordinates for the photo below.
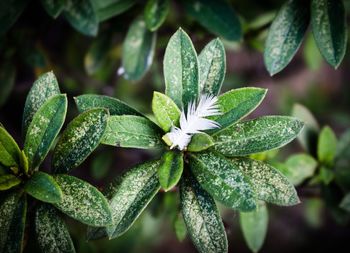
(214, 166)
(25, 187)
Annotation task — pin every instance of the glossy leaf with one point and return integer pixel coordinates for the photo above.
(217, 16)
(165, 111)
(138, 50)
(7, 79)
(9, 151)
(43, 187)
(52, 234)
(82, 135)
(8, 181)
(212, 67)
(223, 181)
(43, 88)
(130, 131)
(181, 69)
(170, 169)
(155, 13)
(110, 8)
(268, 183)
(200, 142)
(82, 201)
(327, 146)
(53, 7)
(10, 11)
(257, 135)
(44, 128)
(254, 226)
(328, 20)
(285, 35)
(202, 218)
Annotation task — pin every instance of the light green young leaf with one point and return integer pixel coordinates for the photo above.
(257, 135)
(44, 128)
(326, 175)
(53, 7)
(327, 146)
(155, 13)
(8, 181)
(10, 154)
(202, 217)
(225, 182)
(130, 131)
(285, 35)
(200, 142)
(165, 111)
(311, 54)
(180, 227)
(328, 20)
(51, 232)
(82, 135)
(181, 72)
(82, 201)
(254, 226)
(170, 169)
(110, 8)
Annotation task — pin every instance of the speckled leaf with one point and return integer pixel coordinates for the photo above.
(166, 111)
(53, 7)
(43, 187)
(52, 234)
(170, 169)
(129, 196)
(8, 181)
(83, 202)
(43, 88)
(200, 142)
(181, 72)
(217, 16)
(138, 50)
(106, 9)
(44, 128)
(212, 67)
(285, 35)
(9, 151)
(202, 217)
(254, 226)
(114, 106)
(82, 135)
(238, 103)
(130, 131)
(82, 16)
(268, 184)
(10, 10)
(327, 146)
(12, 223)
(223, 181)
(257, 135)
(328, 20)
(155, 13)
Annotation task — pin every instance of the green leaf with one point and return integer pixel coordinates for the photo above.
(254, 226)
(44, 128)
(114, 106)
(52, 234)
(202, 217)
(311, 54)
(165, 111)
(82, 16)
(267, 182)
(327, 146)
(53, 7)
(43, 187)
(326, 175)
(43, 88)
(223, 181)
(10, 154)
(285, 35)
(138, 50)
(257, 135)
(130, 131)
(200, 142)
(155, 13)
(9, 12)
(82, 201)
(328, 20)
(8, 181)
(12, 223)
(180, 227)
(181, 69)
(217, 16)
(106, 9)
(345, 203)
(238, 103)
(82, 135)
(7, 79)
(170, 169)
(212, 67)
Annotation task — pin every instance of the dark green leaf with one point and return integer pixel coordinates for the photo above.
(345, 203)
(257, 135)
(223, 181)
(10, 10)
(10, 154)
(53, 7)
(155, 13)
(8, 181)
(200, 142)
(82, 135)
(7, 79)
(327, 146)
(83, 202)
(285, 35)
(101, 164)
(181, 69)
(106, 9)
(202, 217)
(170, 169)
